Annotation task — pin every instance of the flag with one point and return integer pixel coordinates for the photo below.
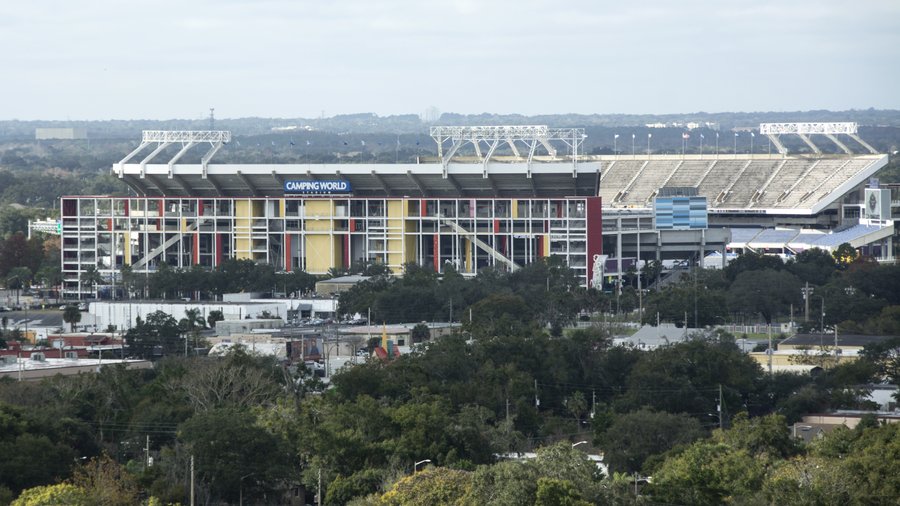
(616, 136)
(632, 136)
(238, 142)
(752, 134)
(273, 143)
(649, 135)
(735, 134)
(307, 143)
(717, 135)
(701, 136)
(292, 141)
(363, 143)
(398, 142)
(685, 135)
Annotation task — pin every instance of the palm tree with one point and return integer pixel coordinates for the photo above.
(91, 277)
(191, 325)
(71, 315)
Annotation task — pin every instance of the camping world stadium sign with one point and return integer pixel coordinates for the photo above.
(317, 187)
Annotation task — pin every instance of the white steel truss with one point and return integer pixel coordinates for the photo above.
(165, 138)
(804, 130)
(807, 128)
(492, 137)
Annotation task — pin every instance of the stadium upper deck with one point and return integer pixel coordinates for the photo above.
(772, 184)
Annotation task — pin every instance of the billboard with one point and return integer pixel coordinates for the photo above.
(680, 213)
(877, 204)
(317, 187)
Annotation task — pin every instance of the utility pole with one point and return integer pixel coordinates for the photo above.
(721, 406)
(147, 452)
(537, 401)
(807, 291)
(593, 403)
(507, 410)
(192, 480)
(770, 351)
(319, 489)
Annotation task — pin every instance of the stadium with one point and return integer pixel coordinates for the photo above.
(498, 196)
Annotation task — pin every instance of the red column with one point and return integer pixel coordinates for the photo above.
(594, 232)
(196, 256)
(218, 250)
(437, 253)
(287, 253)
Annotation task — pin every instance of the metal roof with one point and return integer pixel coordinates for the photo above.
(367, 180)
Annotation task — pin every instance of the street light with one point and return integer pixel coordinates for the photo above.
(241, 500)
(578, 443)
(417, 464)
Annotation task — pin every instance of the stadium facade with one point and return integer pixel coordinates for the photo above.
(518, 194)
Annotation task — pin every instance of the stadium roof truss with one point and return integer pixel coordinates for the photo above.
(165, 138)
(555, 176)
(485, 140)
(804, 130)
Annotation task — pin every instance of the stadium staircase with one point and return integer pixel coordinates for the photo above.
(155, 252)
(481, 244)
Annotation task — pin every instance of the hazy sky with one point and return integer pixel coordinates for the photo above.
(72, 59)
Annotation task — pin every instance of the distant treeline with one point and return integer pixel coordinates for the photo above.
(370, 123)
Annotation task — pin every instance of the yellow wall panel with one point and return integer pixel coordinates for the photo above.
(127, 248)
(319, 253)
(242, 223)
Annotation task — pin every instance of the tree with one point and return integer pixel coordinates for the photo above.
(752, 262)
(500, 314)
(553, 492)
(635, 436)
(106, 482)
(343, 489)
(707, 473)
(214, 316)
(231, 383)
(71, 315)
(420, 333)
(228, 444)
(814, 265)
(91, 277)
(844, 255)
(191, 324)
(158, 335)
(439, 486)
(886, 357)
(768, 292)
(61, 494)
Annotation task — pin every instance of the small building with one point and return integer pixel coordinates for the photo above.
(650, 337)
(334, 286)
(814, 352)
(226, 328)
(39, 366)
(60, 134)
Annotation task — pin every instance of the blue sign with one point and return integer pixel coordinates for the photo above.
(317, 186)
(680, 213)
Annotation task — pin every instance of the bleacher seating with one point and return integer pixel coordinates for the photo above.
(751, 180)
(785, 178)
(721, 175)
(616, 176)
(762, 183)
(648, 182)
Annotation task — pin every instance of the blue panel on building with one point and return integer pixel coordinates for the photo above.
(680, 213)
